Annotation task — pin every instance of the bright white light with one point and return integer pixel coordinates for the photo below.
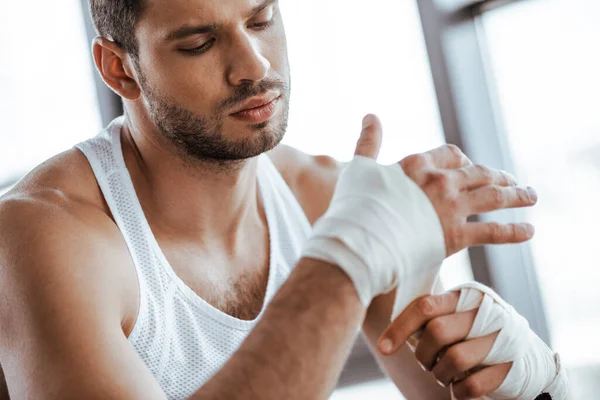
(546, 62)
(349, 58)
(47, 96)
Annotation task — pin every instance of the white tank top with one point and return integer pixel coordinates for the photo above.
(182, 339)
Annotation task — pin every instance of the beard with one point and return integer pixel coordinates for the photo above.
(202, 138)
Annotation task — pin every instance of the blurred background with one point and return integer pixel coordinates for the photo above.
(515, 84)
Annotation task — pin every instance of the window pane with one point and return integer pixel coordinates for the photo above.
(348, 60)
(546, 64)
(48, 100)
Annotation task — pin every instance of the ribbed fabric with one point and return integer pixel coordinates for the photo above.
(181, 338)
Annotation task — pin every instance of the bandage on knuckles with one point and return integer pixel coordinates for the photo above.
(536, 369)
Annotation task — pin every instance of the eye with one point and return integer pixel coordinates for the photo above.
(268, 18)
(262, 25)
(200, 49)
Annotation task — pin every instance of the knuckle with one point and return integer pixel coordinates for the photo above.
(436, 329)
(454, 150)
(509, 179)
(497, 195)
(464, 173)
(473, 387)
(495, 231)
(427, 305)
(414, 161)
(481, 169)
(514, 232)
(456, 358)
(485, 173)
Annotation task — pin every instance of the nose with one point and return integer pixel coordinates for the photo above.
(247, 64)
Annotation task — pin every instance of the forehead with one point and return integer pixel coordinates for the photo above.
(164, 15)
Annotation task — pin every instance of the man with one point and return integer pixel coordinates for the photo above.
(146, 263)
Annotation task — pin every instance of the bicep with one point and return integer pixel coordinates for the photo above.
(75, 366)
(60, 317)
(402, 367)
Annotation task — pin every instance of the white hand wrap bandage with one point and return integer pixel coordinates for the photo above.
(535, 370)
(383, 231)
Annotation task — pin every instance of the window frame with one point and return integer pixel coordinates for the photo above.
(468, 106)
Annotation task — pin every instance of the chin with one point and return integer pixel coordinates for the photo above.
(264, 134)
(265, 138)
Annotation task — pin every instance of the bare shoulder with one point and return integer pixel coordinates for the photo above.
(67, 175)
(311, 178)
(63, 301)
(58, 243)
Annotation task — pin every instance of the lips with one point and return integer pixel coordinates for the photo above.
(256, 102)
(258, 109)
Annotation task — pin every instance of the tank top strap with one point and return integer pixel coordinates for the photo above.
(287, 212)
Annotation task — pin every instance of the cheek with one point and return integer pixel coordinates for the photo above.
(186, 80)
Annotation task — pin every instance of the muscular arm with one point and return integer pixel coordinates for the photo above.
(299, 347)
(62, 305)
(402, 367)
(313, 179)
(61, 314)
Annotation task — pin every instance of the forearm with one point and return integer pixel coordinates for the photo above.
(300, 345)
(402, 367)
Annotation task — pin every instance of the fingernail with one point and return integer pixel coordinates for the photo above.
(532, 194)
(530, 230)
(386, 346)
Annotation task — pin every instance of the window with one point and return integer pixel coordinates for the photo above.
(347, 60)
(48, 99)
(545, 62)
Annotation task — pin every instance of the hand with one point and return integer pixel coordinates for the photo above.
(458, 189)
(392, 226)
(442, 348)
(469, 337)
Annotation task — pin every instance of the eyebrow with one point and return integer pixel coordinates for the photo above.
(188, 30)
(261, 7)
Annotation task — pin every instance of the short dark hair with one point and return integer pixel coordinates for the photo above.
(116, 20)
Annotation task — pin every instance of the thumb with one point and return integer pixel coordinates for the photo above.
(369, 142)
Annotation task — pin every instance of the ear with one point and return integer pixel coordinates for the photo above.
(112, 63)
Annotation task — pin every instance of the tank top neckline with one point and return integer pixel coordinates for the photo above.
(181, 286)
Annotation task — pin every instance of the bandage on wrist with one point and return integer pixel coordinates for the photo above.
(383, 231)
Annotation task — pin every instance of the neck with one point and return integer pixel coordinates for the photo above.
(205, 203)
